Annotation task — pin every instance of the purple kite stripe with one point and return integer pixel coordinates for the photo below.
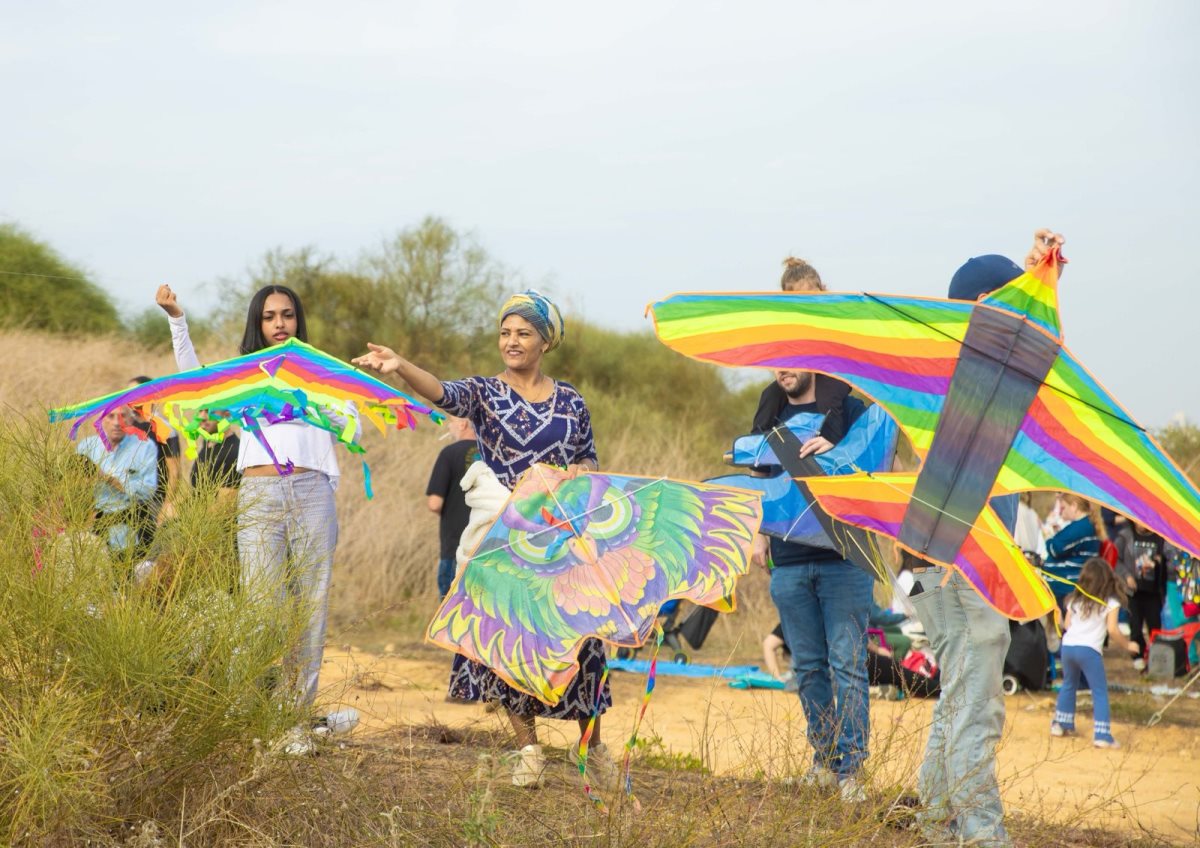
(870, 522)
(1078, 466)
(925, 383)
(972, 574)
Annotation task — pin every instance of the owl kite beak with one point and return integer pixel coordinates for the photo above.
(584, 547)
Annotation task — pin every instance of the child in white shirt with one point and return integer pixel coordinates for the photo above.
(1087, 622)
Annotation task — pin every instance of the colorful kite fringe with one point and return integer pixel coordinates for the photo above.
(288, 382)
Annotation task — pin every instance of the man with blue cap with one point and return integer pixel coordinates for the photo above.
(957, 781)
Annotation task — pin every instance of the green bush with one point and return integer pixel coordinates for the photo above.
(42, 291)
(116, 692)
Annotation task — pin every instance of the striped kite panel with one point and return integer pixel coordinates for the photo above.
(899, 351)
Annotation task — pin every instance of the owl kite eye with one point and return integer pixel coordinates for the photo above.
(612, 517)
(539, 546)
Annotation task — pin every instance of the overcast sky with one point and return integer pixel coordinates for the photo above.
(628, 150)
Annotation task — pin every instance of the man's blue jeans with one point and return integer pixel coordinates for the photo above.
(957, 780)
(445, 575)
(823, 607)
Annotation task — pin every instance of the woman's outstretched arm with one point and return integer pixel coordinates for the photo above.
(384, 360)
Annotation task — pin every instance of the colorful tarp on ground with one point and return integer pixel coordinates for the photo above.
(594, 555)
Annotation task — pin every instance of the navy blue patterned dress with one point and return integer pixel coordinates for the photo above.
(513, 434)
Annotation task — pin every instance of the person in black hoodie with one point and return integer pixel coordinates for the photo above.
(1142, 564)
(823, 600)
(799, 276)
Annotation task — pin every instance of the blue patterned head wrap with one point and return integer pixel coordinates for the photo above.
(539, 311)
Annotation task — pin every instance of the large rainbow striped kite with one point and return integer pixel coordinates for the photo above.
(290, 381)
(987, 394)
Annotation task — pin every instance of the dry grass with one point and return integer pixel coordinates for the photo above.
(426, 784)
(384, 575)
(429, 785)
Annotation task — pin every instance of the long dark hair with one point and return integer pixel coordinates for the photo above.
(253, 339)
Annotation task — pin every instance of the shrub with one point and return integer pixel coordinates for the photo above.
(116, 692)
(42, 291)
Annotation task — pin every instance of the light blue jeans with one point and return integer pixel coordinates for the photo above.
(1080, 661)
(823, 607)
(287, 530)
(957, 780)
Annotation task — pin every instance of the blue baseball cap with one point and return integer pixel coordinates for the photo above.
(981, 275)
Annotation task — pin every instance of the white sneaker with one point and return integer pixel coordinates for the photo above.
(817, 777)
(851, 790)
(527, 771)
(335, 723)
(1139, 664)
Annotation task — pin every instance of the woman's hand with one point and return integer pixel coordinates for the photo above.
(760, 553)
(165, 298)
(542, 479)
(384, 360)
(381, 359)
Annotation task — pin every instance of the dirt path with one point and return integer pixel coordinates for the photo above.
(1153, 781)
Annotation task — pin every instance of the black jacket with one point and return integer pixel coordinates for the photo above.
(831, 393)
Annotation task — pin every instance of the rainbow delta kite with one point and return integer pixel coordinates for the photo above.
(987, 394)
(290, 381)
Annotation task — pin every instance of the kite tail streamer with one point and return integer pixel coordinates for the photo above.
(651, 679)
(367, 481)
(584, 738)
(288, 413)
(254, 428)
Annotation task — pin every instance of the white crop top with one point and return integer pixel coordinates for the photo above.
(306, 446)
(1089, 624)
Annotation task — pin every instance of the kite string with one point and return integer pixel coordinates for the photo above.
(599, 506)
(549, 491)
(803, 513)
(1157, 717)
(1046, 575)
(1041, 381)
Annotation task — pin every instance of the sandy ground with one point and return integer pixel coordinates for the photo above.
(1152, 782)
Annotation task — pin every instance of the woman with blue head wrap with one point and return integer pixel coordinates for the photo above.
(521, 417)
(540, 312)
